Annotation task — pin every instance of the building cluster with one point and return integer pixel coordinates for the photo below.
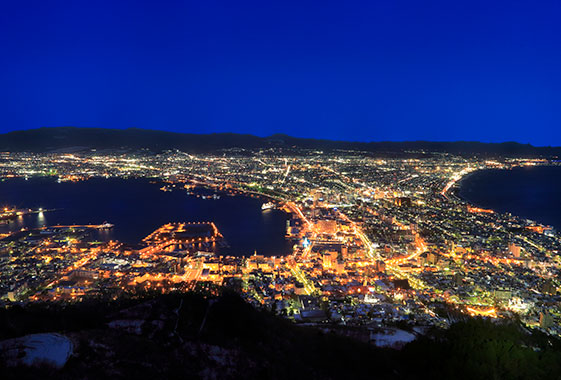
(377, 242)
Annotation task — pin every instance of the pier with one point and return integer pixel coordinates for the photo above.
(103, 226)
(11, 213)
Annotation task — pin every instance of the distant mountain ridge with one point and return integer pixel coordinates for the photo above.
(57, 138)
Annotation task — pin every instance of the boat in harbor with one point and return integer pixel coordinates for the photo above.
(106, 226)
(267, 206)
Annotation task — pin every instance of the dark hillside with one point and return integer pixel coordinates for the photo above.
(52, 139)
(196, 336)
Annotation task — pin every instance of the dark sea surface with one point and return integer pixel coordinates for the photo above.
(137, 207)
(529, 192)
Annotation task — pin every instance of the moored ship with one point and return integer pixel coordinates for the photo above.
(267, 206)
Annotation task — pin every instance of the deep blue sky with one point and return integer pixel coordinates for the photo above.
(354, 70)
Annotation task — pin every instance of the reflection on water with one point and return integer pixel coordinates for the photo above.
(41, 220)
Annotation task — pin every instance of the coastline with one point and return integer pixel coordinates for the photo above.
(456, 189)
(460, 189)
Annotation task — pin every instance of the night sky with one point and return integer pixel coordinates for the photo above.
(350, 70)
